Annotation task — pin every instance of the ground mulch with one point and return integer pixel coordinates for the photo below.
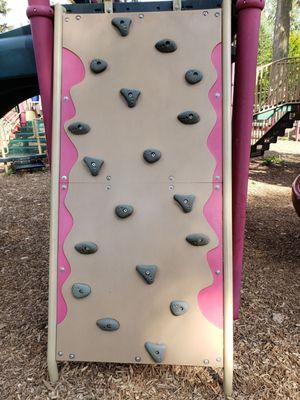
(266, 335)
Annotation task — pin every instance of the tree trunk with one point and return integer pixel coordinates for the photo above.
(282, 29)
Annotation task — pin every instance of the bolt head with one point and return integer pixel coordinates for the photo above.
(205, 13)
(60, 353)
(138, 359)
(206, 361)
(71, 356)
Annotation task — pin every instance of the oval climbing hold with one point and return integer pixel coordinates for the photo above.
(122, 24)
(131, 96)
(178, 307)
(124, 210)
(147, 272)
(98, 65)
(151, 155)
(185, 201)
(193, 76)
(108, 324)
(86, 247)
(79, 128)
(80, 290)
(166, 46)
(94, 165)
(197, 239)
(156, 351)
(189, 117)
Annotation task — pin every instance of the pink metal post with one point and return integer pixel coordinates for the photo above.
(249, 12)
(41, 18)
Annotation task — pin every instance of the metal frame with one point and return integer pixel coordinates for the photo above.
(51, 355)
(227, 200)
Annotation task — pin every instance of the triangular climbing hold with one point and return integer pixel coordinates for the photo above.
(156, 351)
(131, 96)
(80, 290)
(147, 272)
(185, 201)
(93, 164)
(178, 307)
(122, 24)
(197, 239)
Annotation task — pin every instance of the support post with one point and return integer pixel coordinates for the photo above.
(41, 19)
(249, 12)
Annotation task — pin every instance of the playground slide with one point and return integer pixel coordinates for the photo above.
(18, 76)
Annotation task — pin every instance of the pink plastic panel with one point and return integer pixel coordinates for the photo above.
(72, 73)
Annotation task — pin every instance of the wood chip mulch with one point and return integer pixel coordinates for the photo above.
(266, 335)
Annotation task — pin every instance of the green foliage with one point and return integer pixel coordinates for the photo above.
(273, 160)
(3, 11)
(294, 50)
(267, 27)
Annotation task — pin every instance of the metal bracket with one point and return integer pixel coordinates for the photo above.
(177, 5)
(108, 6)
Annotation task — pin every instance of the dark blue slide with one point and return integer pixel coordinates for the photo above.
(18, 76)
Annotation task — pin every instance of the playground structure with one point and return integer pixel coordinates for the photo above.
(22, 139)
(66, 179)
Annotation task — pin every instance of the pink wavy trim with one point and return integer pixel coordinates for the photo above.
(210, 299)
(73, 72)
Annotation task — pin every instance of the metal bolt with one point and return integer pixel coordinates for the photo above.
(78, 17)
(171, 187)
(147, 273)
(62, 269)
(185, 201)
(217, 94)
(64, 178)
(218, 359)
(66, 98)
(153, 155)
(109, 10)
(217, 177)
(71, 356)
(35, 10)
(64, 187)
(217, 14)
(217, 187)
(206, 361)
(141, 16)
(67, 19)
(171, 178)
(108, 187)
(218, 272)
(125, 210)
(93, 164)
(205, 13)
(108, 178)
(60, 353)
(137, 359)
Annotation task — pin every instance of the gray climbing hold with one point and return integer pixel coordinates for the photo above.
(185, 201)
(122, 24)
(98, 65)
(156, 351)
(93, 164)
(166, 46)
(123, 210)
(80, 290)
(189, 117)
(79, 128)
(178, 307)
(197, 239)
(193, 76)
(86, 247)
(131, 96)
(151, 155)
(108, 324)
(147, 272)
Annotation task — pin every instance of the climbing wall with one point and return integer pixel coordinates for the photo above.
(140, 191)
